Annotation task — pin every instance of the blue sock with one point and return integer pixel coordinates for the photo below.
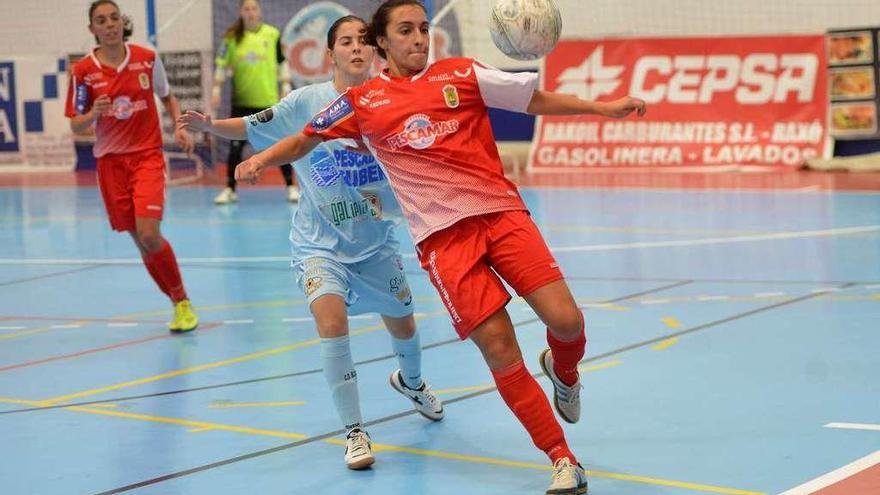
(409, 356)
(342, 379)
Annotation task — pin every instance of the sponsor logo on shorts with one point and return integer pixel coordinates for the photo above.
(154, 207)
(313, 284)
(447, 299)
(400, 288)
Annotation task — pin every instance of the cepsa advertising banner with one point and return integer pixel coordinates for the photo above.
(711, 101)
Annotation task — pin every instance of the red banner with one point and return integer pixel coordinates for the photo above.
(711, 101)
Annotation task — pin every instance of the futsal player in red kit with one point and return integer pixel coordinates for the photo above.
(112, 88)
(429, 127)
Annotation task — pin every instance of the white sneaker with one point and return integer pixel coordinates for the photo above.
(293, 194)
(226, 196)
(423, 399)
(566, 399)
(358, 454)
(568, 478)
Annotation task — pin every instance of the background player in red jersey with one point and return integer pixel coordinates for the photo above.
(428, 125)
(113, 89)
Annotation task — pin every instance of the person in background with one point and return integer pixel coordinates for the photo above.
(112, 88)
(252, 52)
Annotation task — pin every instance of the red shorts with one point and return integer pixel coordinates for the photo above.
(464, 262)
(132, 185)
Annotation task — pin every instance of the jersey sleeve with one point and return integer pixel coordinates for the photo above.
(226, 49)
(160, 78)
(336, 121)
(505, 90)
(78, 97)
(274, 124)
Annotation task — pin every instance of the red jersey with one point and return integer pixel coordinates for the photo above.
(132, 123)
(431, 133)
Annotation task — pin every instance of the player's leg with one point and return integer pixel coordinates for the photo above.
(148, 196)
(520, 255)
(381, 286)
(292, 190)
(325, 285)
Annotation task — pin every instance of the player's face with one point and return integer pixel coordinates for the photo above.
(250, 13)
(406, 39)
(106, 24)
(351, 54)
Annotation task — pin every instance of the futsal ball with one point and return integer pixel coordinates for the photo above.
(525, 29)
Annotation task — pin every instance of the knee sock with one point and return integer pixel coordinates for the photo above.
(342, 380)
(567, 355)
(162, 264)
(409, 356)
(526, 399)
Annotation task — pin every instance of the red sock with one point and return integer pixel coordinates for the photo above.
(567, 355)
(154, 273)
(526, 399)
(165, 264)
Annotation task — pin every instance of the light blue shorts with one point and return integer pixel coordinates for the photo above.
(375, 285)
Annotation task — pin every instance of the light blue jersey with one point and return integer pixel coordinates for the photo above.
(347, 211)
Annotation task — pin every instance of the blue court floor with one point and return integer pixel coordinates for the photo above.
(734, 348)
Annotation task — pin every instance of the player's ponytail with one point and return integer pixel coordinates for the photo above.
(379, 24)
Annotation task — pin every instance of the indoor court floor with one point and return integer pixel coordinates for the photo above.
(733, 349)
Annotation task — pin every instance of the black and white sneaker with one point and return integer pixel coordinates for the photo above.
(568, 478)
(358, 454)
(423, 399)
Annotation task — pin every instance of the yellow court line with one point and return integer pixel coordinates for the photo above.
(600, 366)
(202, 426)
(233, 405)
(456, 390)
(195, 369)
(671, 322)
(664, 344)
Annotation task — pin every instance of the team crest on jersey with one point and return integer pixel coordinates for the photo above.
(122, 108)
(144, 80)
(420, 133)
(450, 94)
(375, 205)
(338, 111)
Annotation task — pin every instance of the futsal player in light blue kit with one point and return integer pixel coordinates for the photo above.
(345, 253)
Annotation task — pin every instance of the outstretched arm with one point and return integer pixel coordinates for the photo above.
(183, 138)
(287, 150)
(232, 129)
(548, 103)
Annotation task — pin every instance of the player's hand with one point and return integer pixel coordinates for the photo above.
(101, 105)
(195, 121)
(184, 140)
(624, 106)
(249, 170)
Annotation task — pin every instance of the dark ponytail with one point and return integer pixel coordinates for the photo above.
(379, 23)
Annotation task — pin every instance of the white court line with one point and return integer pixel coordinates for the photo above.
(655, 301)
(12, 328)
(876, 286)
(237, 322)
(65, 326)
(854, 426)
(113, 325)
(826, 289)
(769, 294)
(307, 319)
(567, 249)
(713, 298)
(829, 479)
